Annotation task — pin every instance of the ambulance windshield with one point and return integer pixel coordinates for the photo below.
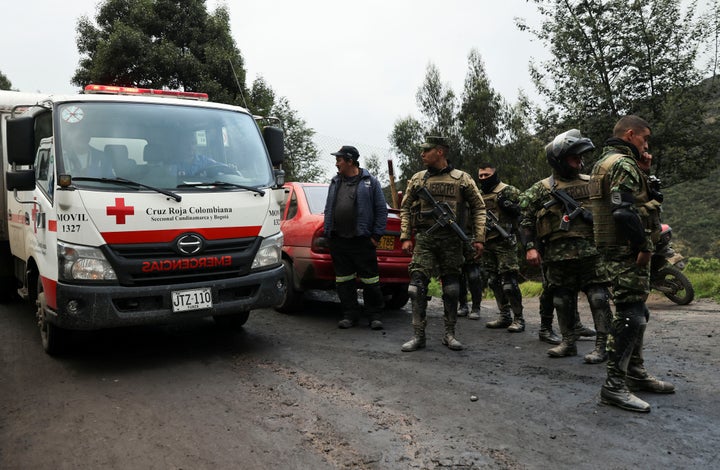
(164, 146)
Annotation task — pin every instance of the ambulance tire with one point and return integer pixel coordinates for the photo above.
(232, 322)
(54, 339)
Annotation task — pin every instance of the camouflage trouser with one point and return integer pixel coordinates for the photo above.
(577, 274)
(438, 254)
(630, 282)
(499, 257)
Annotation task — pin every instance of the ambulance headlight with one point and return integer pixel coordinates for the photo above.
(270, 252)
(83, 263)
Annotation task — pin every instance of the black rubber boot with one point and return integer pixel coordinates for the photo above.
(374, 304)
(599, 300)
(347, 293)
(546, 309)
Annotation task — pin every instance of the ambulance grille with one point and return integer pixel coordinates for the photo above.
(161, 264)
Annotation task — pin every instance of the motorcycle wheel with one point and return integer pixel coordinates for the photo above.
(674, 284)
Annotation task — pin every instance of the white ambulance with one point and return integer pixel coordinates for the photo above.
(129, 206)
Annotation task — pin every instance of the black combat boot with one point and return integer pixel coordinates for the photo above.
(562, 301)
(625, 330)
(504, 319)
(450, 306)
(546, 308)
(638, 379)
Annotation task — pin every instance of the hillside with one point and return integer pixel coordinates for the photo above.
(692, 210)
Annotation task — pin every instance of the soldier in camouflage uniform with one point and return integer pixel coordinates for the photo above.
(571, 262)
(626, 217)
(441, 250)
(500, 257)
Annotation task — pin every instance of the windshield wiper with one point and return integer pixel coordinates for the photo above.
(126, 182)
(223, 183)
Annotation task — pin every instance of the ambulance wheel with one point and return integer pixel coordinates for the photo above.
(292, 300)
(54, 339)
(234, 321)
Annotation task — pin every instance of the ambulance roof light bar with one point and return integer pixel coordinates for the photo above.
(124, 90)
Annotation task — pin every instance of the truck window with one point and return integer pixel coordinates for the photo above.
(44, 171)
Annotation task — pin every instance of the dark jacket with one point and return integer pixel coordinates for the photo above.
(370, 206)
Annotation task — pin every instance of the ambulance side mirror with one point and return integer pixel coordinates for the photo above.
(21, 140)
(275, 143)
(20, 180)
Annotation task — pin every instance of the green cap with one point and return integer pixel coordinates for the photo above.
(432, 141)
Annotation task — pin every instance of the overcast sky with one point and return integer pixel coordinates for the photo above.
(350, 68)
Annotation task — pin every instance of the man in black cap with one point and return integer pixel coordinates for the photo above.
(439, 250)
(355, 218)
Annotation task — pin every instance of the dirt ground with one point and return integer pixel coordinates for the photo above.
(295, 392)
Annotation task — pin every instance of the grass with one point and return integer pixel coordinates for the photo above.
(704, 274)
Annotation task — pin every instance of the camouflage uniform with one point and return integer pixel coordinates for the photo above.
(439, 252)
(500, 257)
(620, 189)
(571, 262)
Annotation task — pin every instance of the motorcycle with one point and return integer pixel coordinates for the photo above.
(666, 274)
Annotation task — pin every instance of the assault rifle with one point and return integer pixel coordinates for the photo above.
(572, 208)
(491, 222)
(443, 215)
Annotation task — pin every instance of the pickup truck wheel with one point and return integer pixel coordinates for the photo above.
(234, 321)
(292, 299)
(54, 339)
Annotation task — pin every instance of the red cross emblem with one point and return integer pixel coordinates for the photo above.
(120, 210)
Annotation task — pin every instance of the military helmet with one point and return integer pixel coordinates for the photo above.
(568, 143)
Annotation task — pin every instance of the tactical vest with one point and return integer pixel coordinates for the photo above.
(548, 220)
(607, 233)
(491, 205)
(444, 187)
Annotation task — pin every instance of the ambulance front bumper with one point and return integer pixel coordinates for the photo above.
(95, 307)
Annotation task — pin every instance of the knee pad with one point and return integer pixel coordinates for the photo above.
(509, 284)
(451, 288)
(563, 298)
(417, 289)
(598, 297)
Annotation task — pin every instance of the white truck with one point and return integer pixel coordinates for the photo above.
(128, 206)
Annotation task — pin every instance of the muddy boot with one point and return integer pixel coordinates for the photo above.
(449, 339)
(615, 393)
(548, 335)
(599, 354)
(450, 296)
(474, 313)
(626, 328)
(562, 300)
(514, 297)
(417, 291)
(638, 379)
(546, 332)
(503, 321)
(417, 341)
(463, 310)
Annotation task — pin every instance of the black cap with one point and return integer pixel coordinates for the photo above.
(347, 151)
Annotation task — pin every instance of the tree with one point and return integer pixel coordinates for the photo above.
(172, 44)
(612, 58)
(438, 106)
(480, 115)
(301, 155)
(5, 82)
